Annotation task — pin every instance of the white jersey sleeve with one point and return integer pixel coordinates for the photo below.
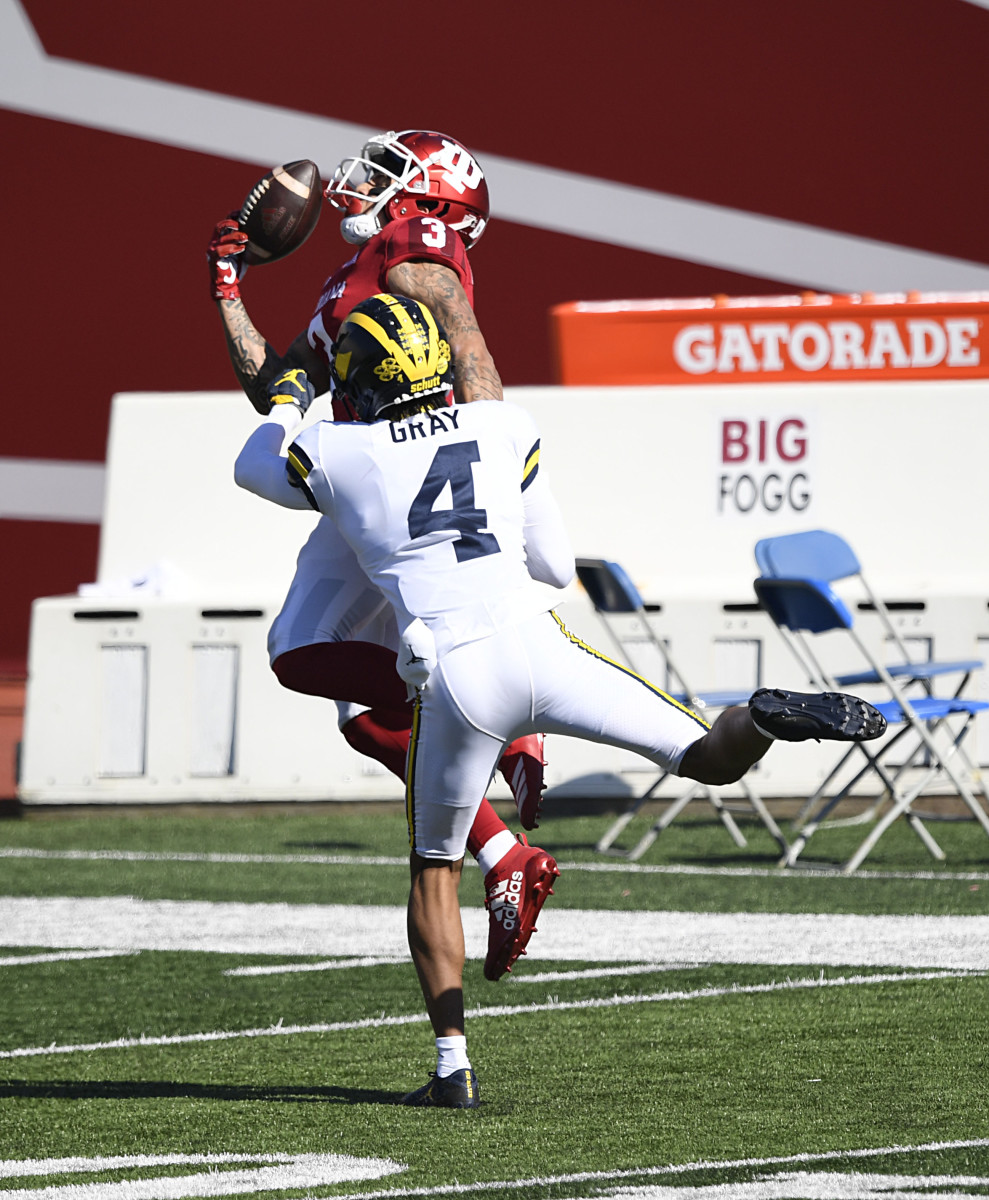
(434, 507)
(548, 554)
(261, 467)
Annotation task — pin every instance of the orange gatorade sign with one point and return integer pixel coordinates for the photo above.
(764, 339)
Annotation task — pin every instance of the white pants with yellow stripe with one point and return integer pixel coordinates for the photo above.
(533, 677)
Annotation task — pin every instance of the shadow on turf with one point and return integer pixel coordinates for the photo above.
(128, 1089)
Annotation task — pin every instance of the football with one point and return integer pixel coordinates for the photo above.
(281, 211)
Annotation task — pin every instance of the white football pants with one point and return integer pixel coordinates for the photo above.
(533, 677)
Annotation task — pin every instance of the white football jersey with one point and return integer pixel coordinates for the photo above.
(438, 508)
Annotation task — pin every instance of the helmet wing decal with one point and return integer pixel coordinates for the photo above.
(418, 358)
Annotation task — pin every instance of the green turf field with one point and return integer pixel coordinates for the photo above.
(218, 1003)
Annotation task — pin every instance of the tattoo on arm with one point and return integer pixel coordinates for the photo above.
(256, 362)
(436, 286)
(247, 348)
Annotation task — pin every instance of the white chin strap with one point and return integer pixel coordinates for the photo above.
(357, 230)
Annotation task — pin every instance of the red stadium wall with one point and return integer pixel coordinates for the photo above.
(866, 119)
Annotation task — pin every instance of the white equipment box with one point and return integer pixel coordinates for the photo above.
(154, 685)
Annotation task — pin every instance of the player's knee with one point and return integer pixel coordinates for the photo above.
(702, 764)
(282, 672)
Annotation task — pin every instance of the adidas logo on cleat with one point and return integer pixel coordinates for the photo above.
(505, 898)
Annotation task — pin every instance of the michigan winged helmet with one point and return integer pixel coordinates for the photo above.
(390, 351)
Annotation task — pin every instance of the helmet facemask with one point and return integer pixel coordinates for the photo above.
(405, 174)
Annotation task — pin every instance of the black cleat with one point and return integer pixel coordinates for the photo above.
(824, 716)
(458, 1090)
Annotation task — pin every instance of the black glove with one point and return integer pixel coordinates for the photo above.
(291, 387)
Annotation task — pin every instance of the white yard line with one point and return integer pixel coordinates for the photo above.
(356, 860)
(591, 936)
(306, 1171)
(484, 1013)
(274, 1172)
(27, 960)
(602, 972)
(347, 964)
(674, 1169)
(335, 964)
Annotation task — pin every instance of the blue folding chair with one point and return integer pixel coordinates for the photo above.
(806, 606)
(821, 554)
(624, 616)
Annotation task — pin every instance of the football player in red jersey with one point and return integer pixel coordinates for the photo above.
(414, 203)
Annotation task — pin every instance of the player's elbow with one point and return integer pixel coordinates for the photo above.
(563, 573)
(558, 570)
(242, 473)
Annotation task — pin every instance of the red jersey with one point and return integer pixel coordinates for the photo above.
(366, 274)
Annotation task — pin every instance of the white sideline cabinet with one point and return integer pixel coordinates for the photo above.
(154, 686)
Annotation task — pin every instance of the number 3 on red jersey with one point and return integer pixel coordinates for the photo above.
(435, 233)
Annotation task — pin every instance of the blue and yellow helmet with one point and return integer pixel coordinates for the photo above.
(390, 350)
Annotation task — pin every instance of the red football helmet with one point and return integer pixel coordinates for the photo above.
(406, 174)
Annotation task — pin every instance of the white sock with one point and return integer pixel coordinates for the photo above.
(451, 1055)
(772, 737)
(495, 849)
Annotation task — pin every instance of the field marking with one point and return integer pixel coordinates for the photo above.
(24, 960)
(488, 1012)
(300, 1171)
(345, 964)
(311, 1170)
(336, 964)
(814, 1185)
(603, 972)
(673, 1169)
(316, 931)
(357, 860)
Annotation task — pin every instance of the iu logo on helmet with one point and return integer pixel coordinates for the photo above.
(462, 171)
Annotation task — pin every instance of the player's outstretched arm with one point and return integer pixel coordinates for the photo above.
(549, 556)
(255, 362)
(475, 374)
(261, 467)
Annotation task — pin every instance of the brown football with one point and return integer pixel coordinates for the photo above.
(281, 211)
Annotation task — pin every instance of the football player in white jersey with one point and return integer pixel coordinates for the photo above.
(415, 201)
(449, 513)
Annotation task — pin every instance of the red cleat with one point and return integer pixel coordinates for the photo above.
(514, 893)
(522, 766)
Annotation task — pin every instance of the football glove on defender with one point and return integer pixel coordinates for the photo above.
(291, 387)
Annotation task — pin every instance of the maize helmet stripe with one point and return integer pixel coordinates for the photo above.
(417, 361)
(390, 350)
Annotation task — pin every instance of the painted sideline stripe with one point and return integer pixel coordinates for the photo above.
(336, 964)
(23, 960)
(602, 972)
(26, 1167)
(313, 1169)
(674, 1169)
(343, 964)
(357, 860)
(289, 1172)
(317, 931)
(484, 1012)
